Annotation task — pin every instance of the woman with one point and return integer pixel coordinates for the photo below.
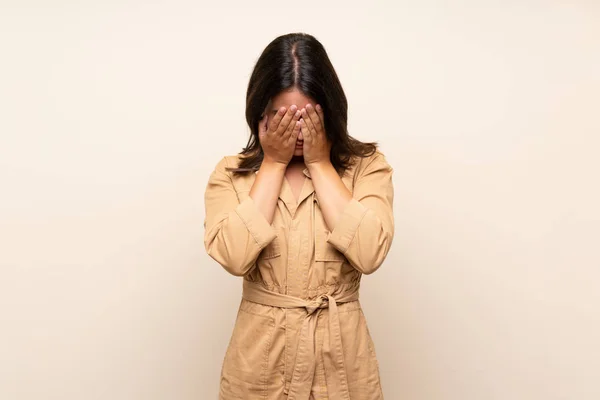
(301, 213)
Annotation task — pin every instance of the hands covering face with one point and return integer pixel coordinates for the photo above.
(278, 137)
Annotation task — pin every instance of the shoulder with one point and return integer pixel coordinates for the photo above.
(374, 162)
(222, 172)
(228, 161)
(377, 157)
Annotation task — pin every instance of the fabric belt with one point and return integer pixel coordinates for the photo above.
(333, 353)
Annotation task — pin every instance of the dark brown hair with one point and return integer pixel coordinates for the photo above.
(299, 61)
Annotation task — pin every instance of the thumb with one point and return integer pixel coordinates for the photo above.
(262, 125)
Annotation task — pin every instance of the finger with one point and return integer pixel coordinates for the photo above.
(308, 121)
(287, 118)
(306, 134)
(321, 115)
(314, 117)
(277, 119)
(292, 124)
(294, 135)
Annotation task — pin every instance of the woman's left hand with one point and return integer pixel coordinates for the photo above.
(316, 147)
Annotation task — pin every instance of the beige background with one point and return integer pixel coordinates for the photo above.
(113, 114)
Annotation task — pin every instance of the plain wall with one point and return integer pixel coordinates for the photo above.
(113, 115)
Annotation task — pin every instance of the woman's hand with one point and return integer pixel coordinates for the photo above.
(317, 147)
(278, 136)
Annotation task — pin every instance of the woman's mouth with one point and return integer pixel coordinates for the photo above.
(299, 144)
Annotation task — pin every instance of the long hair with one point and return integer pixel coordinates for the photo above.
(299, 61)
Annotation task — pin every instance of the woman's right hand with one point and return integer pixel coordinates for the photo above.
(277, 136)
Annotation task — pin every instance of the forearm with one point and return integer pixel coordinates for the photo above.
(235, 232)
(333, 195)
(267, 186)
(363, 229)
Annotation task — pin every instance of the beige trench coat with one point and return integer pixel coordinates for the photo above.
(300, 332)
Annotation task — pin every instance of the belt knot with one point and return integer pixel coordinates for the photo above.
(319, 302)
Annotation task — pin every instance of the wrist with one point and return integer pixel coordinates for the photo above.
(272, 165)
(319, 165)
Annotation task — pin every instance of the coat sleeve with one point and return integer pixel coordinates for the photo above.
(365, 229)
(234, 232)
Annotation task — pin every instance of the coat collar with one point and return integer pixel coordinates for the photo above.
(287, 196)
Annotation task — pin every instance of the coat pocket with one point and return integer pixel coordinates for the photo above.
(324, 251)
(245, 368)
(273, 249)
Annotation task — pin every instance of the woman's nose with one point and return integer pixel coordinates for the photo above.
(300, 137)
